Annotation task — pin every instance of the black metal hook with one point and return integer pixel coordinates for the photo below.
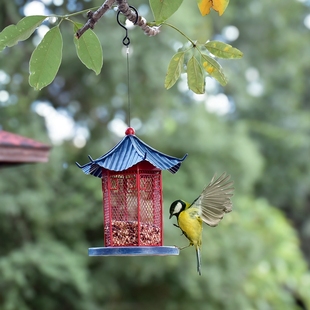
(126, 40)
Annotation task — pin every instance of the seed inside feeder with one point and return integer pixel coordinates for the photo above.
(125, 233)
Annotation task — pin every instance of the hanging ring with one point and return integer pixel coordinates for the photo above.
(126, 40)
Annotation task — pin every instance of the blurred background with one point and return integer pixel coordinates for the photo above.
(257, 129)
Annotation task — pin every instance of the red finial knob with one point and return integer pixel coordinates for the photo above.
(129, 131)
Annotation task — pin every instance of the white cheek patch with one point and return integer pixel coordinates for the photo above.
(178, 208)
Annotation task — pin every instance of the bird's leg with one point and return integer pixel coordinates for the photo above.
(184, 247)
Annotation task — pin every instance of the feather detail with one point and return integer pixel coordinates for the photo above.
(215, 200)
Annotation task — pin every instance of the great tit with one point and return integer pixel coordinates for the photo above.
(209, 207)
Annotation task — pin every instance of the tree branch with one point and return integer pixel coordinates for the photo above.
(94, 17)
(123, 6)
(131, 15)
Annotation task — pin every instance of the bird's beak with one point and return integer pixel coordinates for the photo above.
(170, 216)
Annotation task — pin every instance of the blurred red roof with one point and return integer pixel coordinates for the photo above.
(16, 149)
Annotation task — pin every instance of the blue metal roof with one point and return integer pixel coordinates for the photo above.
(128, 152)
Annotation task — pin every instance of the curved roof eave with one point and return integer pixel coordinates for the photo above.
(128, 152)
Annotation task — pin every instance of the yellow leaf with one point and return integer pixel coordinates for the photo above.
(205, 6)
(217, 5)
(220, 6)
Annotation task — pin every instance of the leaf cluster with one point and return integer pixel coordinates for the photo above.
(47, 56)
(198, 62)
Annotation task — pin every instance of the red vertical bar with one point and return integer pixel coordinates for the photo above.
(154, 204)
(108, 208)
(123, 195)
(139, 204)
(103, 205)
(161, 209)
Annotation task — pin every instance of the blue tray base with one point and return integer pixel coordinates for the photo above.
(134, 251)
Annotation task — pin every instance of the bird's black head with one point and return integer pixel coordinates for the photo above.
(176, 208)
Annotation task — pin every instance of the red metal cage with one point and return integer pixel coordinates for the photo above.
(132, 206)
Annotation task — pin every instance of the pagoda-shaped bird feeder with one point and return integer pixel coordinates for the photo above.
(132, 197)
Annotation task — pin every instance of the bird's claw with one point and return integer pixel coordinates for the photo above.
(177, 247)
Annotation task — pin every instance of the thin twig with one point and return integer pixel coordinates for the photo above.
(94, 17)
(123, 6)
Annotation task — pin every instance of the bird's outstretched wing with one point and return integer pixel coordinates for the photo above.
(214, 200)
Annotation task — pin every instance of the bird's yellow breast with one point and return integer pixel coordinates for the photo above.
(191, 224)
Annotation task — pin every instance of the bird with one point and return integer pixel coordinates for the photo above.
(209, 207)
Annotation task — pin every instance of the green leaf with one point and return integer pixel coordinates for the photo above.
(214, 69)
(195, 76)
(223, 50)
(45, 59)
(174, 69)
(10, 35)
(163, 9)
(88, 49)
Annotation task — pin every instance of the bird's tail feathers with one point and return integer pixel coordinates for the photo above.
(198, 260)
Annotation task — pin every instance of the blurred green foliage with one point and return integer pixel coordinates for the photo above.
(51, 213)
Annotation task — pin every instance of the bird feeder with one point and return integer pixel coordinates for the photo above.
(132, 197)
